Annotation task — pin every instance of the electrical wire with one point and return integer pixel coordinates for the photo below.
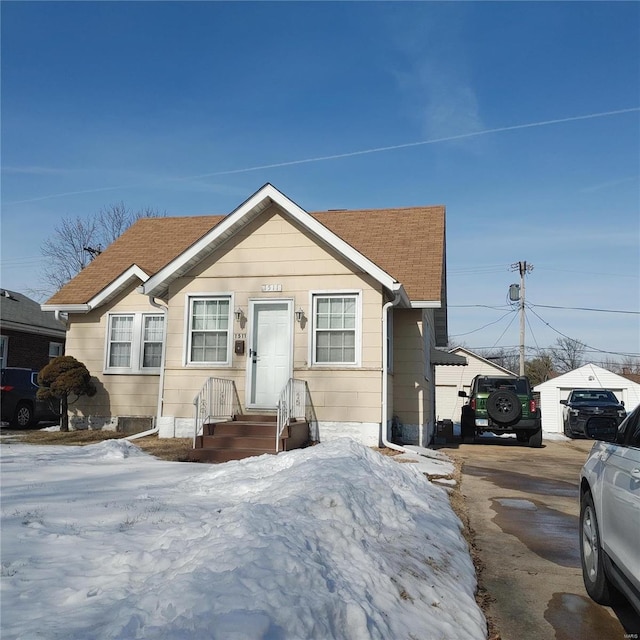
(550, 306)
(505, 330)
(456, 335)
(594, 349)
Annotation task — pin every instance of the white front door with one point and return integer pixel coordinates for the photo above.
(269, 352)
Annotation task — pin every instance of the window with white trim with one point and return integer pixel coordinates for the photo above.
(209, 326)
(335, 329)
(134, 343)
(55, 349)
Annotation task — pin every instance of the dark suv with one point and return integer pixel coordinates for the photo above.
(501, 404)
(20, 407)
(592, 412)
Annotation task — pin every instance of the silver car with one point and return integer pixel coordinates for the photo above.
(610, 516)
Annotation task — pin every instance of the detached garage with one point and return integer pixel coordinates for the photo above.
(450, 380)
(588, 377)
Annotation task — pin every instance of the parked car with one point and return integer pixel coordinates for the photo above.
(501, 404)
(592, 409)
(20, 406)
(610, 516)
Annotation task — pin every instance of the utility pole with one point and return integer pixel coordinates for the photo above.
(523, 268)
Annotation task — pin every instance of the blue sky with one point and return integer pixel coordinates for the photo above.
(522, 118)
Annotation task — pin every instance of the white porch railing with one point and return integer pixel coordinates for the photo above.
(292, 404)
(218, 399)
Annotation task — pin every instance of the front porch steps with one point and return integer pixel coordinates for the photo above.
(245, 436)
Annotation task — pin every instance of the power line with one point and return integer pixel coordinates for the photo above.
(550, 306)
(595, 349)
(457, 335)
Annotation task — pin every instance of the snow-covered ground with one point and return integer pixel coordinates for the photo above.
(336, 541)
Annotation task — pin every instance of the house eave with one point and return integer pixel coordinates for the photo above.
(28, 328)
(66, 308)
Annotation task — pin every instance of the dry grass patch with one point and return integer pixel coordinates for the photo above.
(171, 449)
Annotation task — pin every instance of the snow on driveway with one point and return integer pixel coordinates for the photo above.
(333, 541)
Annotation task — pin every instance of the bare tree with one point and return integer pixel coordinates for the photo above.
(66, 251)
(503, 358)
(539, 369)
(76, 241)
(567, 354)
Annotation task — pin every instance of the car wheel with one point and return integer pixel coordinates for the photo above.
(567, 429)
(467, 424)
(23, 416)
(591, 554)
(503, 406)
(535, 439)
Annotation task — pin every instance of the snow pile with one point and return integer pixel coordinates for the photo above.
(334, 541)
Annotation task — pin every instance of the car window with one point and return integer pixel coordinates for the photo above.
(630, 429)
(488, 385)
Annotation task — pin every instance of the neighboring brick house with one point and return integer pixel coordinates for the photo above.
(351, 303)
(29, 337)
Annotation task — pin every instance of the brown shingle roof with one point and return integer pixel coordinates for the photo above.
(151, 243)
(406, 243)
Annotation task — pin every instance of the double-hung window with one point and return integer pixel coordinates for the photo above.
(134, 343)
(336, 333)
(209, 325)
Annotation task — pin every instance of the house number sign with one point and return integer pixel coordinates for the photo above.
(268, 288)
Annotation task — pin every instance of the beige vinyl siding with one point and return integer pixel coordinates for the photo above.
(411, 398)
(118, 394)
(273, 250)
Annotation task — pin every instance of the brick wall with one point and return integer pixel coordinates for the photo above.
(27, 349)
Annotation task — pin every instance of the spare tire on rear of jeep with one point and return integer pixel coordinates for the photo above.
(503, 406)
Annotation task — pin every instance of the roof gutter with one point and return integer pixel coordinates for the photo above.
(385, 376)
(156, 428)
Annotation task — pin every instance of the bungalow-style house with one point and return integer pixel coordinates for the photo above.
(333, 315)
(29, 337)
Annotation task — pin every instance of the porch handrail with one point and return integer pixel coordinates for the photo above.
(218, 399)
(291, 404)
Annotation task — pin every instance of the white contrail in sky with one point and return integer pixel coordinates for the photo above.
(349, 154)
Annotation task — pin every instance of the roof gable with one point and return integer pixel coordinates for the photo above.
(245, 213)
(588, 376)
(475, 356)
(403, 249)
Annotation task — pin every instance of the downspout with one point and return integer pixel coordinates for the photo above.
(385, 375)
(156, 428)
(59, 318)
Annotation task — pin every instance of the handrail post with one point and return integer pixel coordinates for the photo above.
(216, 399)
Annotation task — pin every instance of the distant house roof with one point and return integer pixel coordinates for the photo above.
(588, 376)
(408, 244)
(20, 313)
(472, 354)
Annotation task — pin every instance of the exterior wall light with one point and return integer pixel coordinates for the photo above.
(299, 315)
(239, 314)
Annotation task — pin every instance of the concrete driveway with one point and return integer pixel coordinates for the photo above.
(523, 508)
